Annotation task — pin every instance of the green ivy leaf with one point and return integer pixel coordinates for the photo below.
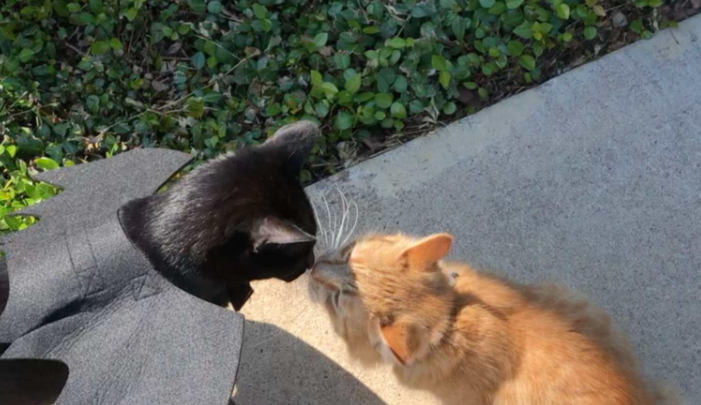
(397, 43)
(30, 145)
(353, 84)
(61, 8)
(423, 10)
(116, 44)
(344, 120)
(131, 14)
(82, 19)
(100, 47)
(384, 100)
(93, 104)
(398, 110)
(563, 11)
(590, 33)
(260, 12)
(195, 107)
(528, 62)
(305, 176)
(459, 26)
(321, 39)
(214, 7)
(96, 6)
(47, 163)
(515, 48)
(488, 69)
(537, 49)
(444, 79)
(329, 88)
(198, 60)
(450, 108)
(322, 108)
(342, 61)
(524, 30)
(26, 55)
(498, 8)
(273, 109)
(513, 4)
(439, 63)
(487, 3)
(317, 79)
(400, 84)
(636, 26)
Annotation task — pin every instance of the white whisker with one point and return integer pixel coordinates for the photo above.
(319, 224)
(357, 214)
(328, 246)
(332, 223)
(344, 215)
(333, 229)
(328, 217)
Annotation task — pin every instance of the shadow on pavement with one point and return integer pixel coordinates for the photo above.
(279, 369)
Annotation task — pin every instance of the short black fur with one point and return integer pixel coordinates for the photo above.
(238, 218)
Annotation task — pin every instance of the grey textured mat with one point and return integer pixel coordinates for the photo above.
(80, 292)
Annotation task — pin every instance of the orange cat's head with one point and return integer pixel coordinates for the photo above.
(386, 295)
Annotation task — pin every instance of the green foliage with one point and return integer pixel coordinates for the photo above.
(18, 190)
(84, 79)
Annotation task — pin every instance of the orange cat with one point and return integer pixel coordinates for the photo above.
(469, 337)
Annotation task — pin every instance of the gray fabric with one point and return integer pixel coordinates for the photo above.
(80, 292)
(93, 190)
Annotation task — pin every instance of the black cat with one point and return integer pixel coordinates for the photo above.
(238, 218)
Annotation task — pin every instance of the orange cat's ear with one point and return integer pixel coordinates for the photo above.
(423, 254)
(402, 340)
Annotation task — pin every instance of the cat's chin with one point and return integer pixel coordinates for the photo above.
(367, 357)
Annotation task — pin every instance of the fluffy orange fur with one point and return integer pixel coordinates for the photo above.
(473, 338)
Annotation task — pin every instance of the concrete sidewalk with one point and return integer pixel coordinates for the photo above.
(592, 180)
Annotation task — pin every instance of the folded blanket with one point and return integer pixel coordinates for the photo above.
(81, 293)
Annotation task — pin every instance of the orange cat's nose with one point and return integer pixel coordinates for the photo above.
(316, 271)
(315, 266)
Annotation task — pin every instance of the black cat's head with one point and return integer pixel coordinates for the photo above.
(240, 217)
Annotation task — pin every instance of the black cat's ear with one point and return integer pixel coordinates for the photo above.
(294, 142)
(31, 381)
(275, 231)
